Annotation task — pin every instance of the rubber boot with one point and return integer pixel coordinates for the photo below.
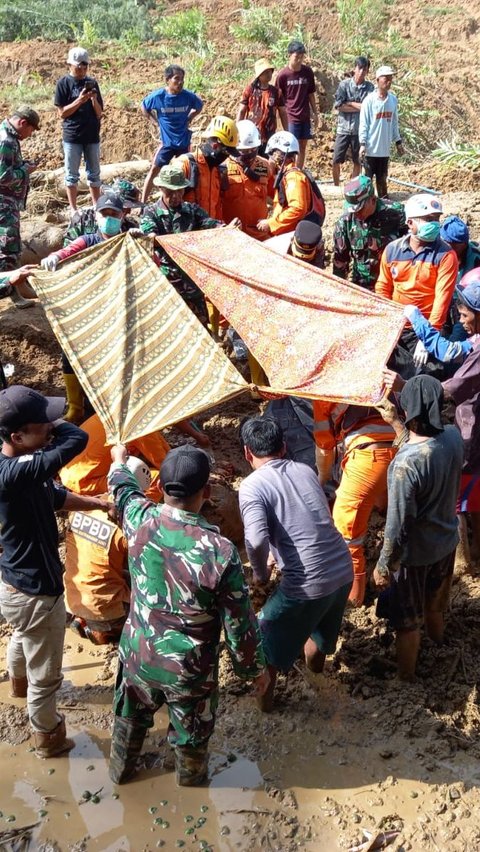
(54, 742)
(357, 592)
(19, 301)
(74, 412)
(191, 765)
(18, 686)
(127, 742)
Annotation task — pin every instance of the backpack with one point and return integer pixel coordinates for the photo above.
(317, 213)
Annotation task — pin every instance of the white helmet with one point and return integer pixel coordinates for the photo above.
(248, 135)
(141, 471)
(283, 141)
(423, 204)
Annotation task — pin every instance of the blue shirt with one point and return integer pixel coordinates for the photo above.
(172, 115)
(378, 126)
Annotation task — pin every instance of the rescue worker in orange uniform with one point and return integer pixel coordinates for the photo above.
(97, 582)
(87, 473)
(249, 182)
(368, 443)
(297, 196)
(205, 170)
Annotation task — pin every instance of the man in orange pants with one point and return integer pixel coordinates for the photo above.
(369, 449)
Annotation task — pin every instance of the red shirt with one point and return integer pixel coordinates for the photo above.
(296, 87)
(262, 106)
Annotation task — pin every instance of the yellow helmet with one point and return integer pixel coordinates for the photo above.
(224, 129)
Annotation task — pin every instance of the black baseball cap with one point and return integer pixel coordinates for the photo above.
(109, 202)
(184, 471)
(20, 405)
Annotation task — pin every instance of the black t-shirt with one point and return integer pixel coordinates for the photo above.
(83, 126)
(28, 498)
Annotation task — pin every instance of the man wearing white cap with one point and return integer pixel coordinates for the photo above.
(419, 269)
(379, 128)
(80, 107)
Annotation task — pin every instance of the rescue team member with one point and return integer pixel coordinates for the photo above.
(175, 108)
(202, 167)
(87, 472)
(14, 184)
(455, 232)
(109, 215)
(369, 449)
(296, 194)
(187, 583)
(285, 511)
(171, 214)
(418, 269)
(36, 443)
(306, 243)
(97, 583)
(249, 182)
(418, 553)
(206, 175)
(363, 230)
(84, 220)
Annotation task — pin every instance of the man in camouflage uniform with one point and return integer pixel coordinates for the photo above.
(172, 215)
(367, 225)
(14, 183)
(84, 221)
(187, 584)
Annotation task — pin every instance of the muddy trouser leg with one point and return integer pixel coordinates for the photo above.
(363, 485)
(39, 623)
(192, 721)
(10, 244)
(134, 708)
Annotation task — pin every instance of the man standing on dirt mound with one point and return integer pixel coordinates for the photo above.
(80, 107)
(175, 108)
(36, 444)
(14, 184)
(297, 84)
(378, 128)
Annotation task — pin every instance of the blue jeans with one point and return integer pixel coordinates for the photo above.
(73, 154)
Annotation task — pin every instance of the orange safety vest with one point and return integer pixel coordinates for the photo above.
(95, 566)
(206, 191)
(355, 425)
(247, 198)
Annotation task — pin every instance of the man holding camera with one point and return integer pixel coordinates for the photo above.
(80, 106)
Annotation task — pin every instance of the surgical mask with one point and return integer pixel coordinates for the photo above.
(109, 225)
(428, 232)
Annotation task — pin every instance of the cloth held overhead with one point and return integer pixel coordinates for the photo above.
(313, 334)
(142, 357)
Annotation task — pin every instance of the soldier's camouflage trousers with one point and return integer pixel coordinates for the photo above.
(10, 244)
(191, 718)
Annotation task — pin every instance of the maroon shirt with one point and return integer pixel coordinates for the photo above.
(296, 87)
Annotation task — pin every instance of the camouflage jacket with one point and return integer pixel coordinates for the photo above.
(14, 174)
(83, 222)
(187, 583)
(158, 219)
(361, 243)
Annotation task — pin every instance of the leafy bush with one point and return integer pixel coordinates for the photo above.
(187, 30)
(259, 24)
(66, 19)
(461, 154)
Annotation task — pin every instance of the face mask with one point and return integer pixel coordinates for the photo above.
(214, 156)
(109, 225)
(428, 232)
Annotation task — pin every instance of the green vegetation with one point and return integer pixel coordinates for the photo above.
(87, 22)
(185, 31)
(259, 24)
(460, 154)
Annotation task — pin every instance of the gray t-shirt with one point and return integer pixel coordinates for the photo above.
(285, 510)
(423, 482)
(347, 91)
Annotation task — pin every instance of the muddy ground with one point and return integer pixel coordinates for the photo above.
(350, 751)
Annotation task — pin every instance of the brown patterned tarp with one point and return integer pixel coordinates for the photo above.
(142, 357)
(314, 335)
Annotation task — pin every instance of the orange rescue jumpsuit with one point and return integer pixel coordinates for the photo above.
(247, 198)
(368, 452)
(87, 473)
(299, 201)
